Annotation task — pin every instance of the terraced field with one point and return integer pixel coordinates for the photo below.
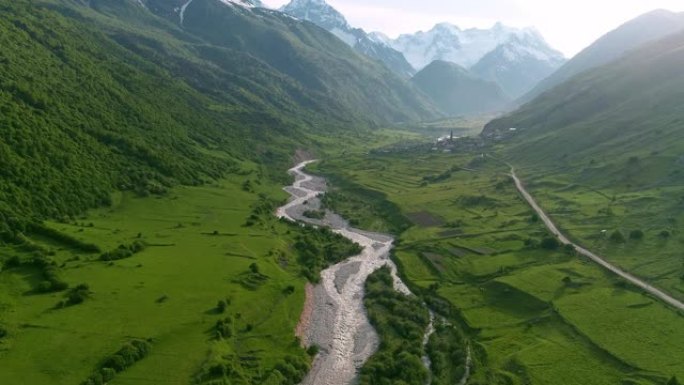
(647, 219)
(535, 314)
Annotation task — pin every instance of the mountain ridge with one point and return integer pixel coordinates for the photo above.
(648, 27)
(178, 108)
(322, 14)
(459, 92)
(517, 59)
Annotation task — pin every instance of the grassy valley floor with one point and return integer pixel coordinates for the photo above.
(628, 213)
(198, 252)
(536, 314)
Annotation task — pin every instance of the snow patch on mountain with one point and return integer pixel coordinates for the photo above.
(374, 45)
(182, 11)
(345, 36)
(317, 12)
(244, 3)
(380, 38)
(241, 3)
(463, 47)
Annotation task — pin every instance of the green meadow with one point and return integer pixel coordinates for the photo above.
(198, 252)
(534, 314)
(633, 201)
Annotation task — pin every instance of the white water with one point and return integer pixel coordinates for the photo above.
(426, 339)
(339, 324)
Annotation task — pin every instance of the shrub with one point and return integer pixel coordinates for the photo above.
(123, 251)
(224, 328)
(128, 355)
(77, 295)
(107, 374)
(221, 306)
(314, 214)
(617, 237)
(312, 350)
(531, 243)
(3, 332)
(64, 238)
(254, 268)
(12, 262)
(289, 290)
(664, 234)
(636, 235)
(550, 243)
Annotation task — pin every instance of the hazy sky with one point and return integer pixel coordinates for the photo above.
(568, 25)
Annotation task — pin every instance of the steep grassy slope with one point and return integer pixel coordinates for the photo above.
(603, 154)
(458, 92)
(629, 108)
(84, 114)
(648, 27)
(182, 144)
(307, 53)
(105, 95)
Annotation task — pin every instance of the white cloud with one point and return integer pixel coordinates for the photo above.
(567, 25)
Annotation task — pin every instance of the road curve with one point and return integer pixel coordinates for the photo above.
(599, 260)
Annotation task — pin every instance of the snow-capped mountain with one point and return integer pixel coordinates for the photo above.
(322, 14)
(244, 3)
(517, 59)
(520, 63)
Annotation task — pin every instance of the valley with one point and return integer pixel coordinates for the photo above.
(524, 303)
(248, 192)
(586, 253)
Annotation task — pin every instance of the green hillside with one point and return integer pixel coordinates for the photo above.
(603, 154)
(631, 107)
(646, 28)
(458, 92)
(316, 59)
(141, 164)
(109, 96)
(533, 312)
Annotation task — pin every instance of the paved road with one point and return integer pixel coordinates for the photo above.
(601, 261)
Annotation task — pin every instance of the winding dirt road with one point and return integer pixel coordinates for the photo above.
(601, 261)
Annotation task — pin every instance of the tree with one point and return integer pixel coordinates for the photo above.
(673, 381)
(254, 268)
(221, 306)
(312, 350)
(636, 235)
(550, 243)
(617, 237)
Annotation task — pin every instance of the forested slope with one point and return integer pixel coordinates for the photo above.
(104, 95)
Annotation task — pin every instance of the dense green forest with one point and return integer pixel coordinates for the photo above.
(401, 322)
(109, 96)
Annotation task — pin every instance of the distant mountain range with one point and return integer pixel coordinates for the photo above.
(457, 91)
(515, 59)
(327, 17)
